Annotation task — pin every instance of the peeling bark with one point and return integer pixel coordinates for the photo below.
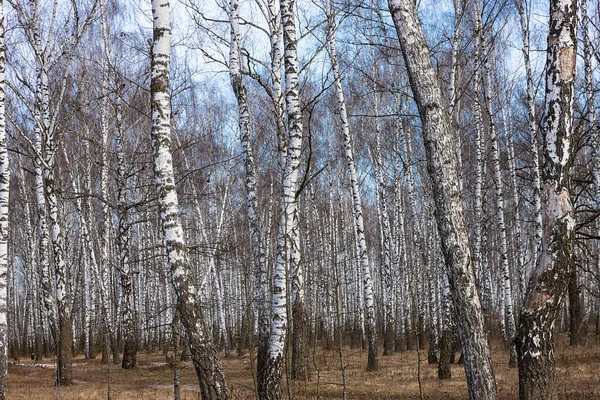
(549, 280)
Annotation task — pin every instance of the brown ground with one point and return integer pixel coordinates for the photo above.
(578, 375)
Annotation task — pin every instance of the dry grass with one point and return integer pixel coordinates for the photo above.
(577, 373)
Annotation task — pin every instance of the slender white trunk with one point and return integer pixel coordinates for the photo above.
(258, 248)
(532, 127)
(386, 237)
(519, 245)
(105, 270)
(204, 355)
(478, 258)
(453, 104)
(123, 237)
(372, 363)
(506, 276)
(4, 197)
(269, 383)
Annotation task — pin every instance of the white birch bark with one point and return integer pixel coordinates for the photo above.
(506, 275)
(269, 384)
(64, 316)
(258, 250)
(206, 360)
(369, 302)
(519, 245)
(123, 238)
(478, 259)
(386, 237)
(549, 280)
(532, 127)
(441, 159)
(110, 340)
(454, 103)
(4, 197)
(44, 263)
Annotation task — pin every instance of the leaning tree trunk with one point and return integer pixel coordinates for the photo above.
(441, 163)
(363, 259)
(4, 192)
(549, 280)
(208, 367)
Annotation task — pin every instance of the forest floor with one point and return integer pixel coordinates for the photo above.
(578, 377)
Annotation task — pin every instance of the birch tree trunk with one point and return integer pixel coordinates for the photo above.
(65, 345)
(90, 265)
(386, 236)
(506, 276)
(519, 251)
(532, 127)
(479, 262)
(454, 103)
(123, 237)
(44, 262)
(204, 355)
(64, 336)
(270, 379)
(4, 197)
(258, 251)
(549, 281)
(368, 298)
(110, 337)
(575, 304)
(300, 350)
(441, 162)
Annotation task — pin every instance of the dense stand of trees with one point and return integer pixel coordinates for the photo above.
(370, 175)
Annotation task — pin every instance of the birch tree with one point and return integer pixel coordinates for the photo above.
(123, 238)
(110, 337)
(258, 252)
(269, 383)
(441, 164)
(359, 229)
(204, 355)
(549, 280)
(532, 126)
(4, 193)
(506, 275)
